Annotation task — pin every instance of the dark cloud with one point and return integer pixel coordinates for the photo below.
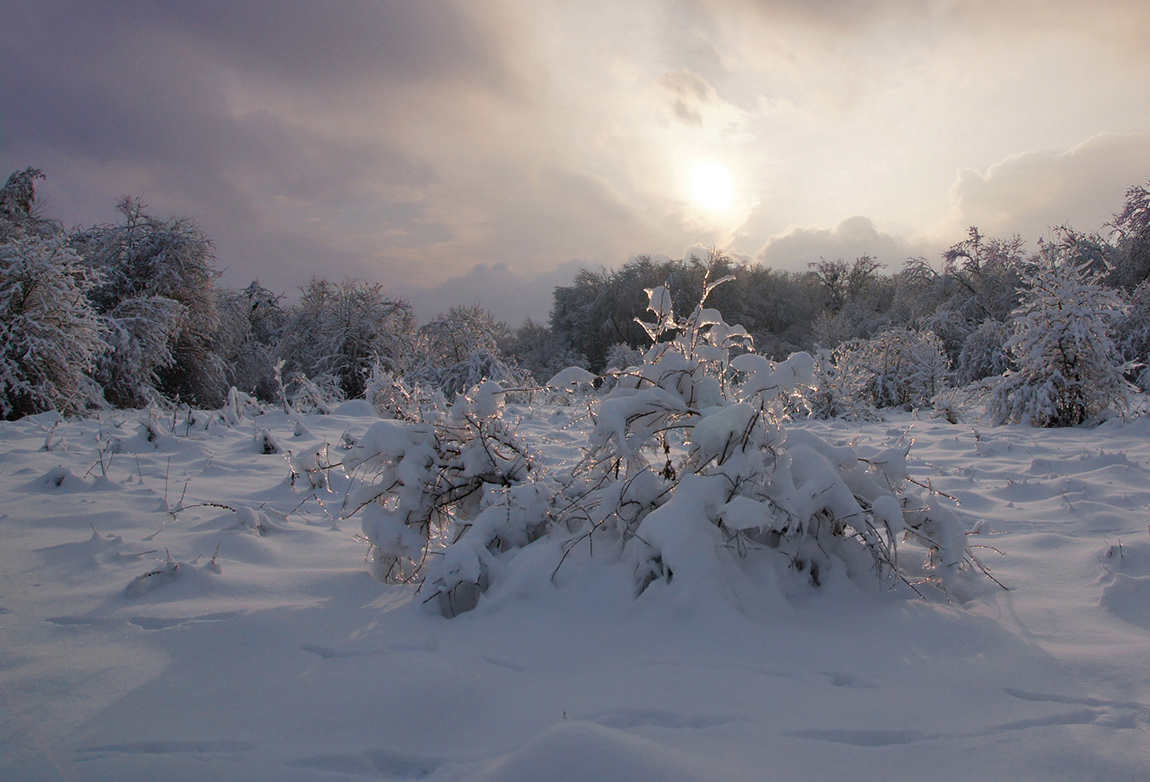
(261, 119)
(341, 45)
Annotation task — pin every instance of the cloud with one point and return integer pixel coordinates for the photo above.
(689, 94)
(853, 237)
(510, 296)
(1029, 193)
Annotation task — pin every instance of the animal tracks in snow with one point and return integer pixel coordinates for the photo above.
(1091, 711)
(328, 653)
(77, 621)
(501, 663)
(163, 747)
(1098, 711)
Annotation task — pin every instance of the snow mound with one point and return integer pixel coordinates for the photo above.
(1126, 584)
(579, 751)
(569, 377)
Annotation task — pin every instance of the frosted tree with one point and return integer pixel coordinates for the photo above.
(339, 331)
(140, 333)
(251, 323)
(147, 258)
(540, 351)
(460, 349)
(984, 353)
(1068, 368)
(1132, 335)
(18, 212)
(49, 334)
(977, 283)
(1130, 238)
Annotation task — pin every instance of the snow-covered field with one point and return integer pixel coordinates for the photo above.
(175, 608)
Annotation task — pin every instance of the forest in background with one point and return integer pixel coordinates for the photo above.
(131, 314)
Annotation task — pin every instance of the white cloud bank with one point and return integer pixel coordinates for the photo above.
(853, 237)
(1030, 193)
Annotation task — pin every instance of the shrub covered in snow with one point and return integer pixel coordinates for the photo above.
(984, 353)
(1068, 368)
(687, 476)
(453, 478)
(1132, 335)
(899, 368)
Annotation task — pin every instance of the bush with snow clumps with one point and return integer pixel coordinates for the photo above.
(687, 477)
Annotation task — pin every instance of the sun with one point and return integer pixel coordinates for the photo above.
(710, 186)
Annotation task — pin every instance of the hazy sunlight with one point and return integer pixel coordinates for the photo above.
(709, 185)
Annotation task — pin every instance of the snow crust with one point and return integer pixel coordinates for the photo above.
(178, 603)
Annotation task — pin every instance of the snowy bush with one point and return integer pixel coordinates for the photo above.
(477, 367)
(621, 355)
(984, 353)
(49, 334)
(456, 478)
(539, 351)
(251, 323)
(1132, 335)
(304, 394)
(19, 215)
(687, 476)
(906, 368)
(899, 368)
(1068, 368)
(393, 397)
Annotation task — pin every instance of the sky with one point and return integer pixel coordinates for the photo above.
(482, 151)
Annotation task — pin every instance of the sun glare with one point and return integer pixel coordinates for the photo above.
(710, 185)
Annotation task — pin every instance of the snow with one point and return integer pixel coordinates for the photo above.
(569, 377)
(176, 603)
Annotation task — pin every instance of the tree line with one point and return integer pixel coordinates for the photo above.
(132, 313)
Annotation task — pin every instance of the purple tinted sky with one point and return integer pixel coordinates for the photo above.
(482, 151)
